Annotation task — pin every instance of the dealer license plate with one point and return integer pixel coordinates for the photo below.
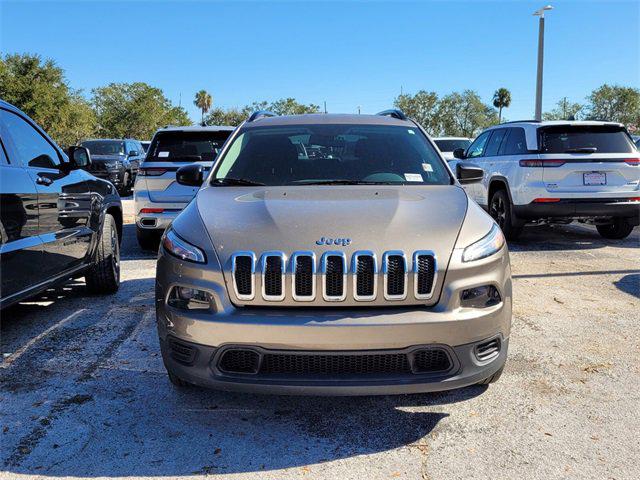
(594, 178)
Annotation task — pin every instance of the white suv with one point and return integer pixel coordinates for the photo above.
(158, 198)
(558, 172)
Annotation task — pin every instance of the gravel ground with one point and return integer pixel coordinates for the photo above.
(84, 393)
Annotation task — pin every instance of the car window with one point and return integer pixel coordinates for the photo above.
(451, 145)
(328, 153)
(575, 138)
(29, 145)
(3, 157)
(515, 143)
(186, 146)
(477, 147)
(494, 143)
(104, 147)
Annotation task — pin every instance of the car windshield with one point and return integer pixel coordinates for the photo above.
(187, 146)
(451, 145)
(326, 154)
(104, 147)
(585, 139)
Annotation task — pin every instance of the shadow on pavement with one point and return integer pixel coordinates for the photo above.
(567, 237)
(629, 284)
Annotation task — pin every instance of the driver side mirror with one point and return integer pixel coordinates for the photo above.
(79, 156)
(459, 153)
(133, 153)
(190, 175)
(469, 173)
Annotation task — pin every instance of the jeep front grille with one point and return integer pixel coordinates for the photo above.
(334, 276)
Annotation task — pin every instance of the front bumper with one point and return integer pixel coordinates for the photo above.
(580, 208)
(329, 330)
(114, 176)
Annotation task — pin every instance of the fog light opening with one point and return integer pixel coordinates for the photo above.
(187, 298)
(480, 297)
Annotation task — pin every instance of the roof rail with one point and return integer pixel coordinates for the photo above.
(393, 112)
(260, 114)
(520, 121)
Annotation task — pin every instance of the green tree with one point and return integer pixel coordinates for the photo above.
(464, 114)
(422, 107)
(501, 99)
(203, 101)
(235, 116)
(40, 89)
(134, 110)
(231, 116)
(564, 110)
(614, 103)
(290, 106)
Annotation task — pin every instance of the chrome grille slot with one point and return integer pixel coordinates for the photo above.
(243, 266)
(273, 276)
(365, 269)
(395, 275)
(303, 265)
(424, 274)
(334, 272)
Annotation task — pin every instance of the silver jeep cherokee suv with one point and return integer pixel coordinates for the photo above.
(332, 254)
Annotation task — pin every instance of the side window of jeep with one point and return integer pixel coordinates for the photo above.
(477, 148)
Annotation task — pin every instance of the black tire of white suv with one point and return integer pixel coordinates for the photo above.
(617, 230)
(104, 274)
(501, 211)
(148, 239)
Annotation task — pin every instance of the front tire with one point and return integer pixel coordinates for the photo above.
(148, 239)
(103, 276)
(618, 229)
(500, 211)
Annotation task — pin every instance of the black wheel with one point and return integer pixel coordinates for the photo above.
(500, 210)
(617, 230)
(148, 239)
(493, 378)
(177, 381)
(104, 274)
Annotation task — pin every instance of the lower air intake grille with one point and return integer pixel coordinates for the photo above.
(365, 276)
(425, 274)
(395, 275)
(318, 364)
(181, 352)
(488, 350)
(243, 275)
(431, 360)
(304, 276)
(334, 276)
(273, 276)
(239, 361)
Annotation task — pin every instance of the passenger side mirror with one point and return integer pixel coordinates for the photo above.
(459, 153)
(469, 173)
(79, 156)
(190, 175)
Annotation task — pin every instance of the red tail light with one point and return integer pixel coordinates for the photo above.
(634, 199)
(632, 161)
(542, 163)
(152, 172)
(152, 210)
(546, 200)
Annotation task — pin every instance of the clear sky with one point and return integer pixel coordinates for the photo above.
(345, 53)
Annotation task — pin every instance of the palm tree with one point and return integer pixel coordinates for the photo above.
(501, 99)
(203, 101)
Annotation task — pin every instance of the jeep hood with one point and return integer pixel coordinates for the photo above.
(376, 218)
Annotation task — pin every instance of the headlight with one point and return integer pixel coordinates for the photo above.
(180, 248)
(486, 246)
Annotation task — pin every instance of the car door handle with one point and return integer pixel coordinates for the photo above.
(43, 181)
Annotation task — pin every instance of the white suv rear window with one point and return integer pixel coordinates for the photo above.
(584, 139)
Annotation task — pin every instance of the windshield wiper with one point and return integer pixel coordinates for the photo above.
(342, 182)
(236, 181)
(581, 150)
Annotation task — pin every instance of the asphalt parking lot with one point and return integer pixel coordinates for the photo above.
(84, 393)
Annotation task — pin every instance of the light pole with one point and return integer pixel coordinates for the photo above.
(540, 14)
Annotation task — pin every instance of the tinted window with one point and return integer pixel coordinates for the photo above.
(575, 138)
(451, 145)
(477, 147)
(104, 147)
(516, 142)
(347, 153)
(29, 145)
(494, 142)
(187, 146)
(638, 143)
(3, 157)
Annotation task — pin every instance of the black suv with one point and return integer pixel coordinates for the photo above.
(57, 222)
(116, 161)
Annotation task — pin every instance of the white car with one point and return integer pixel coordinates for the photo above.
(447, 145)
(557, 171)
(158, 197)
